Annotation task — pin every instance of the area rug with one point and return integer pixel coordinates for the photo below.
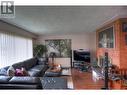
(70, 83)
(66, 73)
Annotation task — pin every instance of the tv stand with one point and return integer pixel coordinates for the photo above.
(82, 66)
(80, 56)
(77, 62)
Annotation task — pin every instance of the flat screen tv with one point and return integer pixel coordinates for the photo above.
(81, 56)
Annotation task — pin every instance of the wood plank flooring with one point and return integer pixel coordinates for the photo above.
(84, 80)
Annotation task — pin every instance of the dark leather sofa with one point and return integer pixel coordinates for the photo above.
(35, 70)
(8, 82)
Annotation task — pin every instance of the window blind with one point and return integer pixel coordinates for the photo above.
(14, 48)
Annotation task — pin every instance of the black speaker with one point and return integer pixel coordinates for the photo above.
(106, 78)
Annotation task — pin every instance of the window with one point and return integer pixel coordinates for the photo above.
(14, 48)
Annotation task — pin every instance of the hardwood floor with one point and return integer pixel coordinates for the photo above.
(84, 80)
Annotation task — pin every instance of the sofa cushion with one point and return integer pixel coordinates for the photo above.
(5, 79)
(42, 61)
(6, 68)
(24, 80)
(18, 65)
(30, 63)
(26, 64)
(7, 82)
(3, 71)
(34, 73)
(37, 67)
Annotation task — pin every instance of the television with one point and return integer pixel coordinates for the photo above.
(81, 55)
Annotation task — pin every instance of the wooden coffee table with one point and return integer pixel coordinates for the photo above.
(53, 71)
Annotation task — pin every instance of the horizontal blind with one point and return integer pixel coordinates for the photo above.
(14, 49)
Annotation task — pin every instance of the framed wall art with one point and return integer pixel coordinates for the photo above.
(61, 47)
(106, 38)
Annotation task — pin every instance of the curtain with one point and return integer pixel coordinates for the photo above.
(14, 48)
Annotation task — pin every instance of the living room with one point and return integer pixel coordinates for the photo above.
(61, 32)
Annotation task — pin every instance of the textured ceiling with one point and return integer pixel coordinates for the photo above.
(63, 19)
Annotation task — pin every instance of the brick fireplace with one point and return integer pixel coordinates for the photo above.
(118, 53)
(101, 60)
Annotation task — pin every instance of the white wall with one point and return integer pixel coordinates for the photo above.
(79, 41)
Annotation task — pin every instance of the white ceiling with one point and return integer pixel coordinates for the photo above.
(63, 19)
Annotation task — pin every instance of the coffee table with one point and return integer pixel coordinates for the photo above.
(52, 72)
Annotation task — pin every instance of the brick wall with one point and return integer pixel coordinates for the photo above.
(114, 53)
(123, 47)
(118, 54)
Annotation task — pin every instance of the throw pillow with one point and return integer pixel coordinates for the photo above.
(11, 71)
(3, 72)
(42, 61)
(19, 72)
(25, 73)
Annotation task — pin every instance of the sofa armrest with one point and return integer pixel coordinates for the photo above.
(4, 79)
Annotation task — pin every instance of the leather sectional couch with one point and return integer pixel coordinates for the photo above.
(35, 70)
(8, 82)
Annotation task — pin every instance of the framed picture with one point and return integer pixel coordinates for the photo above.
(106, 38)
(124, 26)
(61, 47)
